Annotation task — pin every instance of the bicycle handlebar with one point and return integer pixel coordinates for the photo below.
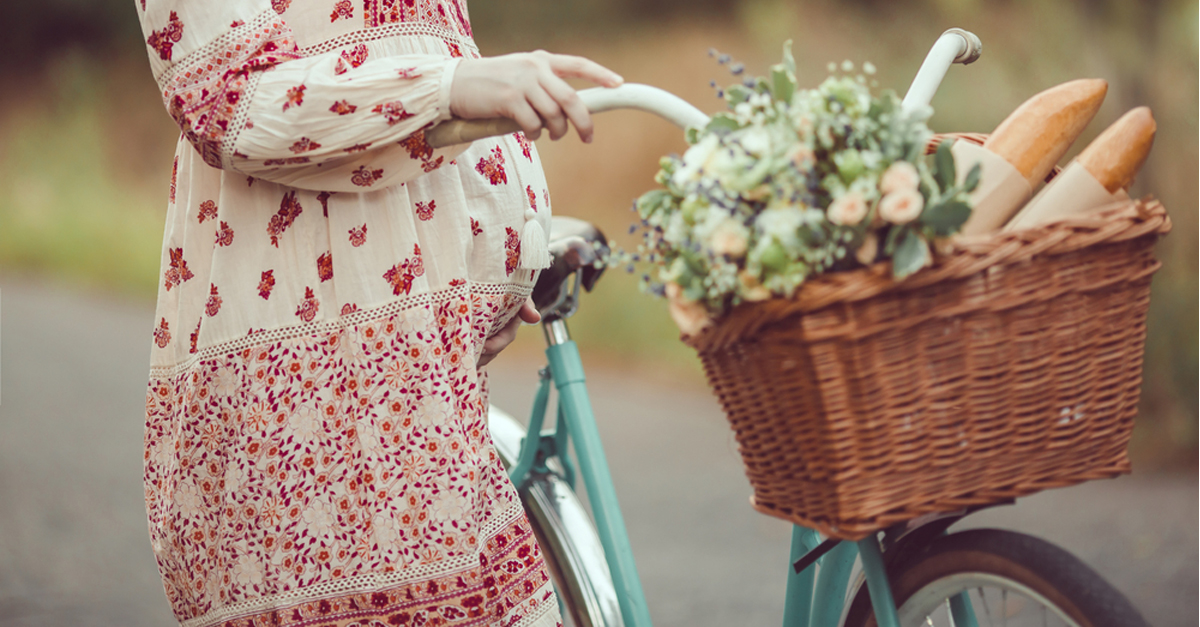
(597, 100)
(954, 46)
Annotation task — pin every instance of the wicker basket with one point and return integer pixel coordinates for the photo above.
(1011, 366)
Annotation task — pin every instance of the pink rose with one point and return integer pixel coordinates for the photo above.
(902, 206)
(848, 209)
(901, 175)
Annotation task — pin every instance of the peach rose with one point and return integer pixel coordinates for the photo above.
(901, 175)
(902, 206)
(690, 316)
(848, 209)
(730, 239)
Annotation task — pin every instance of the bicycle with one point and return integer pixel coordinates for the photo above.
(913, 573)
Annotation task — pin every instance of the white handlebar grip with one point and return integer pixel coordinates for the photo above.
(954, 46)
(597, 100)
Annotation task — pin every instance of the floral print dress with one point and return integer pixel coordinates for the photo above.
(317, 451)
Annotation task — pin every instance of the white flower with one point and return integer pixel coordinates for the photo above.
(801, 155)
(691, 316)
(848, 209)
(902, 206)
(730, 238)
(695, 160)
(780, 223)
(901, 175)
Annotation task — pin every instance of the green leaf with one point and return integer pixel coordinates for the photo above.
(946, 217)
(911, 254)
(652, 201)
(783, 83)
(737, 94)
(889, 242)
(692, 135)
(789, 61)
(943, 162)
(972, 180)
(722, 123)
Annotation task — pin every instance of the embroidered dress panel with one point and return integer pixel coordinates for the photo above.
(317, 450)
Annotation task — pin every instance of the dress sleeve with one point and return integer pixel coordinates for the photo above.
(234, 80)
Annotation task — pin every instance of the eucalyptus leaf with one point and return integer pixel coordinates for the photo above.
(737, 94)
(972, 180)
(722, 123)
(946, 217)
(783, 83)
(789, 61)
(943, 162)
(692, 135)
(911, 254)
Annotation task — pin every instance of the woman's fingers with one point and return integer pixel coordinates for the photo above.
(528, 313)
(571, 105)
(569, 66)
(549, 111)
(529, 119)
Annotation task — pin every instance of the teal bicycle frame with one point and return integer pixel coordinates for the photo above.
(814, 598)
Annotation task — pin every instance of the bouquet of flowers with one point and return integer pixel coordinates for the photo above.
(791, 183)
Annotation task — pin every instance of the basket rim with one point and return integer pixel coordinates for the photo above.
(957, 257)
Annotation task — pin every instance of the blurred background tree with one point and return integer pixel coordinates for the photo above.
(85, 146)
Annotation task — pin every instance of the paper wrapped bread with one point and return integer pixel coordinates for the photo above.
(1037, 134)
(1018, 155)
(1098, 177)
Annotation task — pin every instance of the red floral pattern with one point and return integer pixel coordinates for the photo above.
(512, 250)
(165, 39)
(224, 235)
(352, 58)
(419, 148)
(203, 96)
(366, 177)
(357, 148)
(526, 148)
(342, 107)
(343, 9)
(358, 236)
(213, 306)
(304, 144)
(425, 209)
(331, 457)
(323, 198)
(280, 5)
(178, 271)
(492, 167)
(289, 210)
(307, 310)
(325, 266)
(295, 97)
(475, 228)
(409, 73)
(174, 177)
(532, 197)
(208, 209)
(194, 337)
(266, 283)
(393, 111)
(162, 334)
(401, 275)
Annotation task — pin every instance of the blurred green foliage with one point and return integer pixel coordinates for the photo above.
(85, 147)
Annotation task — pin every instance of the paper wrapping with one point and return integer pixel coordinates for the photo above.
(1072, 192)
(1001, 192)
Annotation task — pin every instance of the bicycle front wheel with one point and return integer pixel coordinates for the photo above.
(994, 577)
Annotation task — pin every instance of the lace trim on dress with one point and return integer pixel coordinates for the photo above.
(388, 31)
(206, 90)
(343, 322)
(362, 584)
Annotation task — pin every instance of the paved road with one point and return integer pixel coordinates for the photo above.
(74, 548)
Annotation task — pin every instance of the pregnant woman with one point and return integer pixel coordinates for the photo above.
(317, 451)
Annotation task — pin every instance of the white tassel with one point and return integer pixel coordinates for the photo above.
(534, 252)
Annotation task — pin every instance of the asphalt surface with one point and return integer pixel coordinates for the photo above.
(74, 548)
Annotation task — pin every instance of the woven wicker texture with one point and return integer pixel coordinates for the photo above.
(1010, 366)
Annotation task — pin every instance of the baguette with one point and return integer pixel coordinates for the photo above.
(1037, 134)
(1115, 157)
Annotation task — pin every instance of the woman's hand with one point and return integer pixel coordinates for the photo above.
(528, 87)
(498, 342)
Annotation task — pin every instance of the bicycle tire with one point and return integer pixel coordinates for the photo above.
(565, 533)
(1040, 571)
